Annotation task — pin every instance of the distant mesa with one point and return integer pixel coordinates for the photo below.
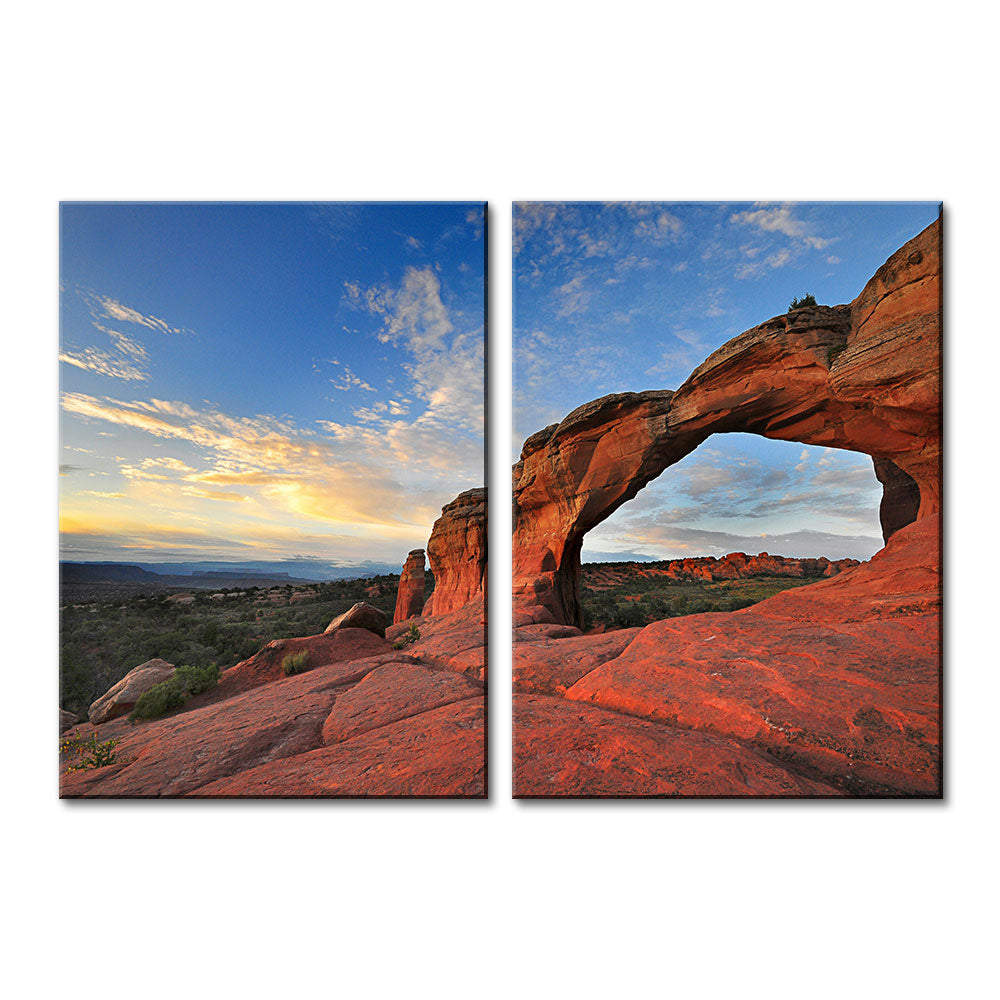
(735, 566)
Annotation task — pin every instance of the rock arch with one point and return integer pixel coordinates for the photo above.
(864, 376)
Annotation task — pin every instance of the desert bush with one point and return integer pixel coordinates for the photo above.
(295, 663)
(409, 637)
(198, 679)
(629, 615)
(167, 696)
(806, 300)
(90, 752)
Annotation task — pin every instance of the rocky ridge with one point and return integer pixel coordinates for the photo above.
(734, 566)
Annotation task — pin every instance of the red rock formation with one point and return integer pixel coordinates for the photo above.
(834, 686)
(566, 749)
(363, 719)
(863, 376)
(735, 566)
(410, 595)
(392, 692)
(455, 641)
(457, 553)
(341, 646)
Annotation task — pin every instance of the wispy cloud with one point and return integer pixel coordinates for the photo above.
(292, 467)
(111, 308)
(347, 380)
(572, 297)
(112, 365)
(446, 365)
(777, 219)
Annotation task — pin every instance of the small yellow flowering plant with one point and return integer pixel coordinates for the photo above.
(88, 753)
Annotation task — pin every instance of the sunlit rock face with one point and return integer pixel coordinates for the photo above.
(863, 376)
(410, 595)
(457, 553)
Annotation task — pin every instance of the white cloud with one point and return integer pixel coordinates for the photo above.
(572, 297)
(774, 220)
(113, 309)
(446, 365)
(662, 227)
(347, 380)
(758, 268)
(100, 362)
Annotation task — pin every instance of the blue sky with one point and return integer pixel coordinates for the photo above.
(614, 297)
(255, 381)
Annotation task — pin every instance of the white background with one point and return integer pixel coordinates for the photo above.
(511, 101)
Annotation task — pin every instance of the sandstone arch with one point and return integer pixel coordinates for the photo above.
(864, 376)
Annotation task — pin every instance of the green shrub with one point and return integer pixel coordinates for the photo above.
(167, 696)
(171, 694)
(409, 637)
(295, 663)
(806, 300)
(90, 753)
(198, 679)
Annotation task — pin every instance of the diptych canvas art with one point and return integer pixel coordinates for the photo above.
(272, 502)
(726, 500)
(727, 482)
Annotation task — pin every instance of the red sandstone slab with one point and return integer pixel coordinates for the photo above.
(266, 664)
(854, 703)
(393, 692)
(438, 753)
(566, 749)
(550, 666)
(175, 755)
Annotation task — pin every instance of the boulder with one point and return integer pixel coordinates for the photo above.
(410, 595)
(361, 615)
(121, 699)
(267, 664)
(67, 720)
